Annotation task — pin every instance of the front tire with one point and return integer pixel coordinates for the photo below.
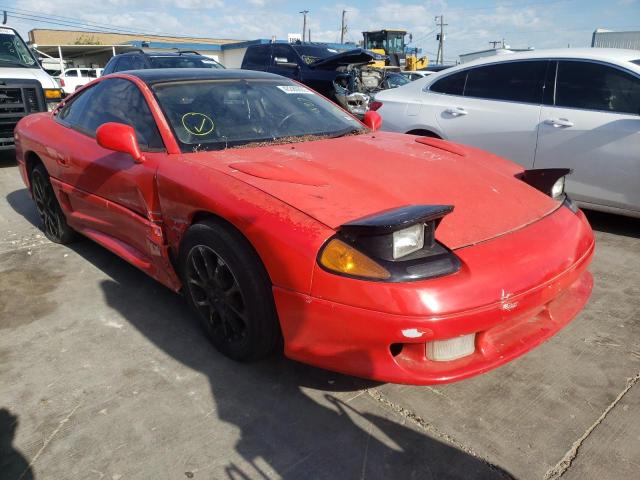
(54, 222)
(227, 286)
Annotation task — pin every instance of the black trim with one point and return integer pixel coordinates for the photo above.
(567, 202)
(373, 236)
(395, 219)
(543, 178)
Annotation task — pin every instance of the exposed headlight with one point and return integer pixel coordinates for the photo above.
(557, 190)
(396, 245)
(548, 180)
(408, 240)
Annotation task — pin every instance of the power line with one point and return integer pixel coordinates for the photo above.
(85, 26)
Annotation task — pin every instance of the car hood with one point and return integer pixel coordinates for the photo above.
(339, 180)
(357, 56)
(28, 74)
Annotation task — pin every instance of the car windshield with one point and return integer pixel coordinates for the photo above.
(13, 50)
(314, 53)
(396, 80)
(186, 61)
(219, 114)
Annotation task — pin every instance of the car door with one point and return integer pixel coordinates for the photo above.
(497, 108)
(112, 199)
(593, 127)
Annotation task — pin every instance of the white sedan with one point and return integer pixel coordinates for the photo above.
(574, 108)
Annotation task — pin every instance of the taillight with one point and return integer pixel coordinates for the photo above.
(62, 82)
(375, 105)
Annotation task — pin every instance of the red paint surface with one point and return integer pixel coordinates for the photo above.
(524, 256)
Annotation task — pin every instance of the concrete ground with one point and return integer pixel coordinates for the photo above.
(105, 375)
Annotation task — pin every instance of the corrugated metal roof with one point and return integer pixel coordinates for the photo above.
(606, 39)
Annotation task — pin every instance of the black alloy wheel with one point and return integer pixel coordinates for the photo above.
(54, 222)
(216, 294)
(226, 284)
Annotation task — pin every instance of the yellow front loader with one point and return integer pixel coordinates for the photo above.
(391, 43)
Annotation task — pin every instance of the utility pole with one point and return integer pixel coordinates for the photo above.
(496, 42)
(343, 29)
(304, 24)
(440, 55)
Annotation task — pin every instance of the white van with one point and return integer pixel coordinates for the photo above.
(24, 86)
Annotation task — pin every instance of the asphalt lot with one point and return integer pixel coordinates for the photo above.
(105, 375)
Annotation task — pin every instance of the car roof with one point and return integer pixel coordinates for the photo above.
(611, 55)
(152, 76)
(163, 54)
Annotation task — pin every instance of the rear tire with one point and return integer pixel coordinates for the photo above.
(227, 286)
(54, 222)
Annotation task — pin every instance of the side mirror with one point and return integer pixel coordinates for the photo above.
(373, 120)
(120, 138)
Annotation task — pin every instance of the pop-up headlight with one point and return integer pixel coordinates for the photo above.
(399, 245)
(547, 180)
(408, 240)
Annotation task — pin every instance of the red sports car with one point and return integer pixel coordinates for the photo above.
(286, 221)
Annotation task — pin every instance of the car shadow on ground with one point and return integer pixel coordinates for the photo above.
(12, 463)
(295, 421)
(612, 223)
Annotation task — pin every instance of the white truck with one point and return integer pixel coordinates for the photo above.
(24, 86)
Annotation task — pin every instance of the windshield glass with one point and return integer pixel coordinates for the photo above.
(313, 53)
(183, 62)
(219, 114)
(13, 50)
(396, 80)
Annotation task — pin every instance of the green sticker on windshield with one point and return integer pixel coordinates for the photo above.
(197, 123)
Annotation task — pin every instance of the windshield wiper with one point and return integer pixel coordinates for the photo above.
(347, 131)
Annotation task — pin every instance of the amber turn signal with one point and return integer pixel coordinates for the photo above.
(52, 93)
(339, 257)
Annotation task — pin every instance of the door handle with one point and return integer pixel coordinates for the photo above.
(456, 111)
(559, 122)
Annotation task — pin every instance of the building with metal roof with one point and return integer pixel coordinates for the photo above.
(608, 39)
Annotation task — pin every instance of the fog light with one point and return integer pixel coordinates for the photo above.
(451, 349)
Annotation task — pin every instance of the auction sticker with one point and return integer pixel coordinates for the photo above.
(294, 89)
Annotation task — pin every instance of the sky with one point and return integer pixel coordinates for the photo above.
(472, 24)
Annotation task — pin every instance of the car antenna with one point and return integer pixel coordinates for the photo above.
(4, 17)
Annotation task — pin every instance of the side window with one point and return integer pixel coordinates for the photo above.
(84, 73)
(71, 73)
(511, 81)
(137, 62)
(255, 58)
(73, 112)
(118, 100)
(124, 63)
(597, 87)
(283, 54)
(451, 84)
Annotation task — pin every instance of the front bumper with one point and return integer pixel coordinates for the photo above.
(391, 346)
